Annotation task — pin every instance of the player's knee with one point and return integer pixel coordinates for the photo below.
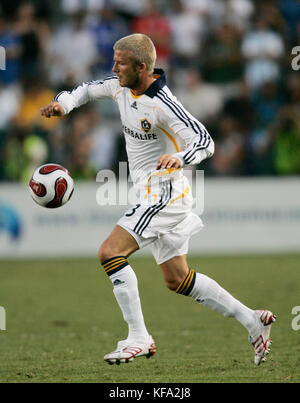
(172, 284)
(105, 252)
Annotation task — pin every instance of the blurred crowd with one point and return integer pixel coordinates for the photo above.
(227, 61)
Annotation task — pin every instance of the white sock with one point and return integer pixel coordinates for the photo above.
(209, 293)
(125, 288)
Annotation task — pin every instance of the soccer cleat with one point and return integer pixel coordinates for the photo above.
(127, 350)
(260, 337)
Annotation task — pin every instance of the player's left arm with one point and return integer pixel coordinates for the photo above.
(198, 144)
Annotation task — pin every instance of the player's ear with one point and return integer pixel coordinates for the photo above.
(141, 67)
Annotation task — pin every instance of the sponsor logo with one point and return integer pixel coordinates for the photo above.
(140, 136)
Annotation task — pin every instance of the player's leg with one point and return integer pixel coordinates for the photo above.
(113, 255)
(179, 278)
(119, 241)
(206, 291)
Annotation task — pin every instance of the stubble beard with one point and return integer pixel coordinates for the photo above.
(133, 82)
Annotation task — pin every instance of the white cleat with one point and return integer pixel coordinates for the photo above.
(127, 350)
(260, 337)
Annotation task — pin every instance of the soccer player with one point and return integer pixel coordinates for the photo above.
(161, 138)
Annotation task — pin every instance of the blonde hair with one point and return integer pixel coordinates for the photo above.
(141, 47)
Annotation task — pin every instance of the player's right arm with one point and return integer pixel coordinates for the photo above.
(52, 109)
(66, 101)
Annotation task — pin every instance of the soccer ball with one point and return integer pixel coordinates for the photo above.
(51, 185)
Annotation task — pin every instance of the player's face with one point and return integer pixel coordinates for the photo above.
(125, 70)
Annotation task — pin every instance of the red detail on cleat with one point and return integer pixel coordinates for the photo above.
(267, 317)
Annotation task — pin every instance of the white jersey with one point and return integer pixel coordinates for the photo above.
(154, 123)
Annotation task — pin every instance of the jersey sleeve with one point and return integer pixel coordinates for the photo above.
(198, 144)
(87, 92)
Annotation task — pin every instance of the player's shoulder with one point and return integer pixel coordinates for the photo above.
(109, 80)
(159, 90)
(108, 86)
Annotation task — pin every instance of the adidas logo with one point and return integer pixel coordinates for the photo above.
(134, 105)
(118, 282)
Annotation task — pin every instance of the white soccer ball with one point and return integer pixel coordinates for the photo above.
(51, 186)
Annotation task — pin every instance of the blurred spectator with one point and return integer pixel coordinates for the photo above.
(10, 96)
(26, 28)
(203, 7)
(286, 130)
(228, 62)
(35, 151)
(223, 62)
(269, 9)
(129, 9)
(36, 94)
(11, 42)
(229, 154)
(267, 101)
(80, 143)
(156, 25)
(187, 29)
(13, 156)
(104, 146)
(263, 50)
(203, 100)
(293, 89)
(74, 6)
(290, 10)
(239, 13)
(240, 107)
(106, 31)
(287, 141)
(71, 53)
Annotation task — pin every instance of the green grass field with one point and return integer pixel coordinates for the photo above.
(61, 318)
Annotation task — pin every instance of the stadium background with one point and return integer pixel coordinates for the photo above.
(230, 64)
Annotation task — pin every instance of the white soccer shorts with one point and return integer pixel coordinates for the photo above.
(167, 223)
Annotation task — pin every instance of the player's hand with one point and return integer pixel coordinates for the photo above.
(52, 109)
(168, 161)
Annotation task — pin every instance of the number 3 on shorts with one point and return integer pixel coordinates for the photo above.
(132, 211)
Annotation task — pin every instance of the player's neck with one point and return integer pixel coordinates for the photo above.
(143, 86)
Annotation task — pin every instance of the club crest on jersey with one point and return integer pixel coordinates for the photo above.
(146, 125)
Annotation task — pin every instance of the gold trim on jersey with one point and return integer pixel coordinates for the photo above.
(135, 96)
(186, 192)
(170, 137)
(158, 173)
